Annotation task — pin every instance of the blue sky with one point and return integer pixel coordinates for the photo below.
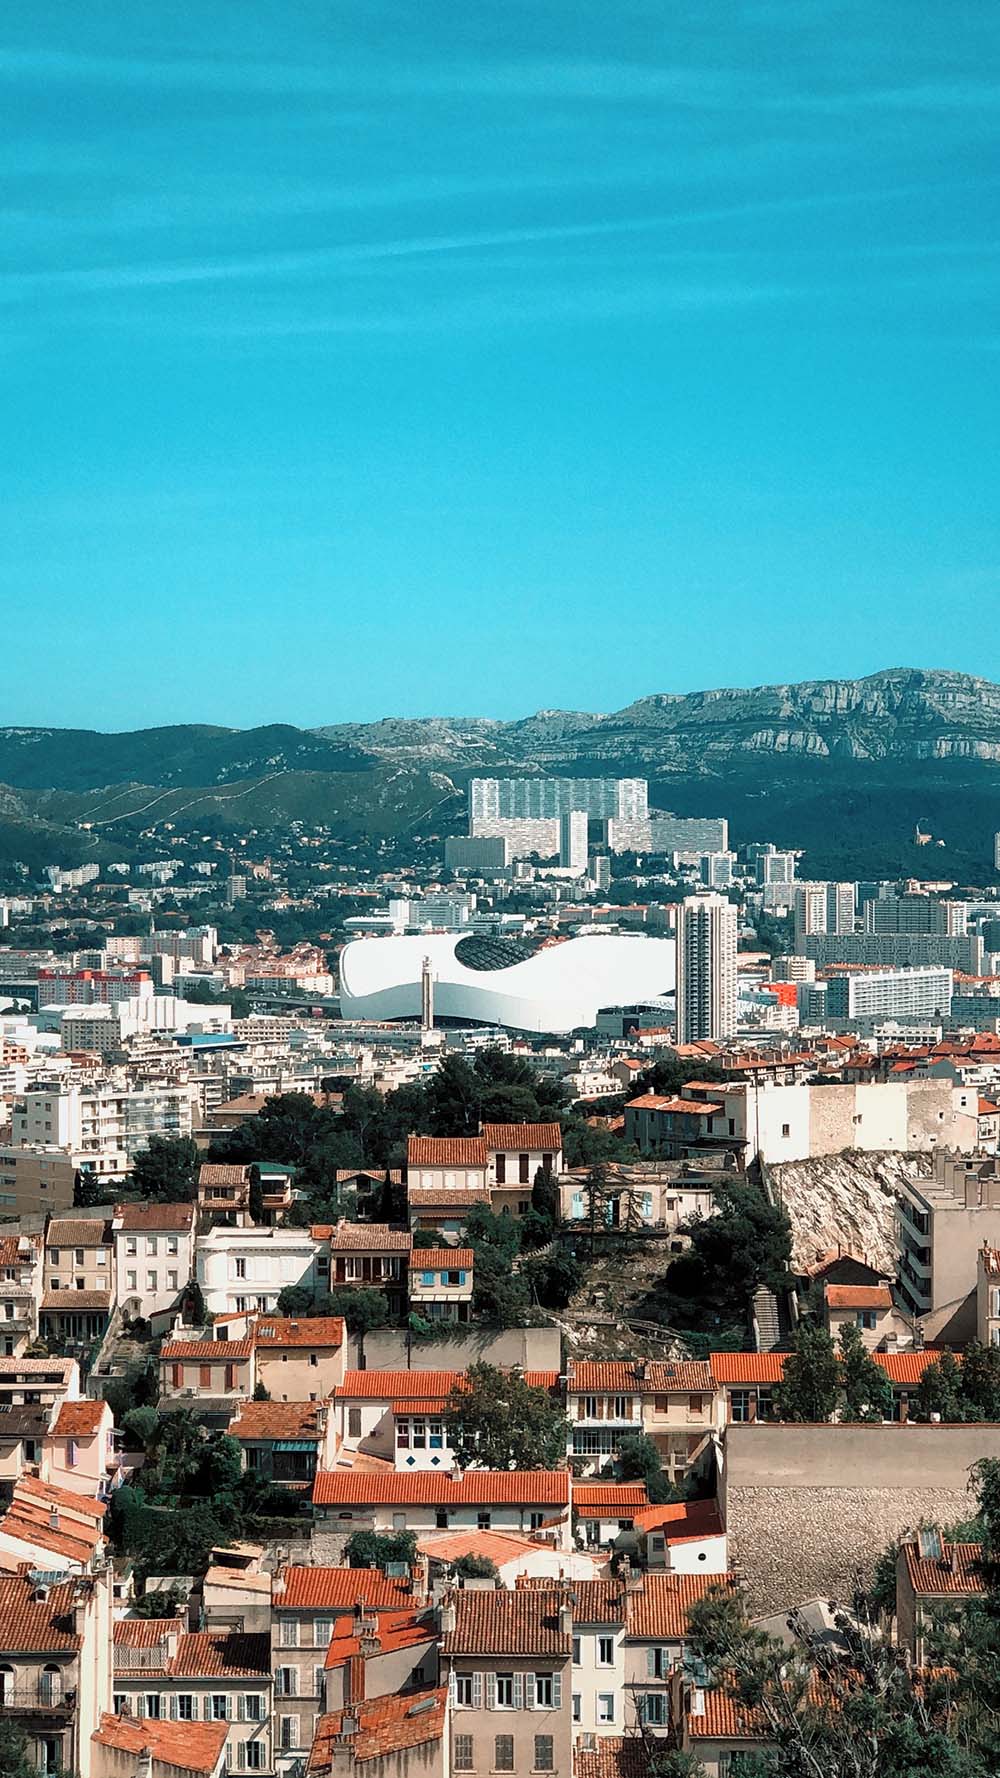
(360, 357)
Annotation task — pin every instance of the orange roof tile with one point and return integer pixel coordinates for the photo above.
(211, 1654)
(747, 1367)
(136, 1218)
(958, 1571)
(487, 1487)
(207, 1351)
(258, 1420)
(906, 1367)
(212, 1173)
(67, 1500)
(441, 1259)
(523, 1622)
(594, 1495)
(547, 1138)
(369, 1237)
(682, 1519)
(338, 1589)
(445, 1197)
(77, 1231)
(298, 1330)
(192, 1746)
(37, 1626)
(68, 1301)
(615, 1756)
(385, 1726)
(446, 1151)
(857, 1296)
(660, 1609)
(81, 1419)
(146, 1632)
(690, 1376)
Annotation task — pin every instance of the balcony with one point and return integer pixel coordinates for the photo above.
(43, 1696)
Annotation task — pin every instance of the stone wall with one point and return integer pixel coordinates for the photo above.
(533, 1348)
(809, 1507)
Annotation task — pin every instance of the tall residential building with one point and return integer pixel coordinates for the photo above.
(771, 865)
(706, 968)
(903, 950)
(573, 839)
(716, 869)
(907, 994)
(519, 799)
(996, 851)
(823, 907)
(920, 913)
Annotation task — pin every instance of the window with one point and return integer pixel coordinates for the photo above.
(590, 1407)
(131, 1247)
(503, 1753)
(786, 1129)
(577, 1707)
(253, 1707)
(622, 1407)
(505, 1692)
(204, 1376)
(427, 1280)
(152, 1704)
(657, 1663)
(463, 1754)
(484, 1520)
(576, 1651)
(605, 1651)
(151, 1245)
(288, 1732)
(543, 1753)
(240, 1268)
(252, 1753)
(695, 1404)
(441, 1518)
(868, 1318)
(654, 1708)
(172, 1245)
(605, 1706)
(501, 1166)
(172, 1280)
(466, 1689)
(544, 1691)
(289, 1632)
(354, 1422)
(739, 1406)
(151, 1281)
(78, 1258)
(324, 1630)
(219, 1707)
(185, 1707)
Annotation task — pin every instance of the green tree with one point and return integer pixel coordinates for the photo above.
(495, 1420)
(166, 1170)
(295, 1299)
(980, 1381)
(475, 1568)
(261, 1392)
(744, 1245)
(865, 1387)
(86, 1191)
(164, 1603)
(16, 1753)
(810, 1387)
(374, 1549)
(545, 1200)
(140, 1426)
(554, 1278)
(940, 1392)
(255, 1202)
(638, 1460)
(454, 1098)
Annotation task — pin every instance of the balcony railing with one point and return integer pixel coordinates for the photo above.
(39, 1694)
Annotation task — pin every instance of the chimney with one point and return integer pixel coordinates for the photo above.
(144, 1764)
(448, 1616)
(278, 1586)
(349, 1724)
(53, 1518)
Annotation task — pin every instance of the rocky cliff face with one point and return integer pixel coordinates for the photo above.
(846, 1200)
(901, 714)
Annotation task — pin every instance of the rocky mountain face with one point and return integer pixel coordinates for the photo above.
(901, 714)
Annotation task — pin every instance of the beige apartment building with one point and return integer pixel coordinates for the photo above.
(78, 1279)
(507, 1658)
(35, 1179)
(942, 1224)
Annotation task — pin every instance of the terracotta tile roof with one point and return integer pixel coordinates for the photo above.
(386, 1726)
(958, 1571)
(29, 1487)
(298, 1330)
(744, 1368)
(374, 1173)
(38, 1368)
(369, 1237)
(76, 1231)
(682, 1520)
(36, 1626)
(604, 1500)
(28, 1523)
(660, 1102)
(80, 1419)
(498, 1546)
(212, 1173)
(660, 1609)
(10, 1251)
(192, 1746)
(221, 1654)
(598, 1602)
(398, 1385)
(458, 1197)
(523, 1622)
(338, 1589)
(724, 1719)
(615, 1756)
(207, 1351)
(690, 1376)
(907, 1367)
(486, 1487)
(446, 1151)
(987, 1108)
(441, 1259)
(406, 1628)
(858, 1296)
(509, 1137)
(67, 1301)
(138, 1218)
(276, 1419)
(146, 1632)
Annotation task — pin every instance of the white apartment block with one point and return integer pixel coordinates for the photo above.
(242, 1271)
(706, 968)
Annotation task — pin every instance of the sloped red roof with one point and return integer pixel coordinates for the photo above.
(858, 1296)
(211, 1654)
(193, 1746)
(510, 1137)
(446, 1151)
(690, 1376)
(36, 1626)
(958, 1570)
(297, 1330)
(385, 1726)
(660, 1609)
(747, 1367)
(486, 1487)
(522, 1622)
(338, 1589)
(207, 1351)
(80, 1419)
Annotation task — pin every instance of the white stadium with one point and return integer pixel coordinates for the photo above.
(500, 981)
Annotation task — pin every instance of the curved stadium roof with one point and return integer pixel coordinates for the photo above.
(558, 988)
